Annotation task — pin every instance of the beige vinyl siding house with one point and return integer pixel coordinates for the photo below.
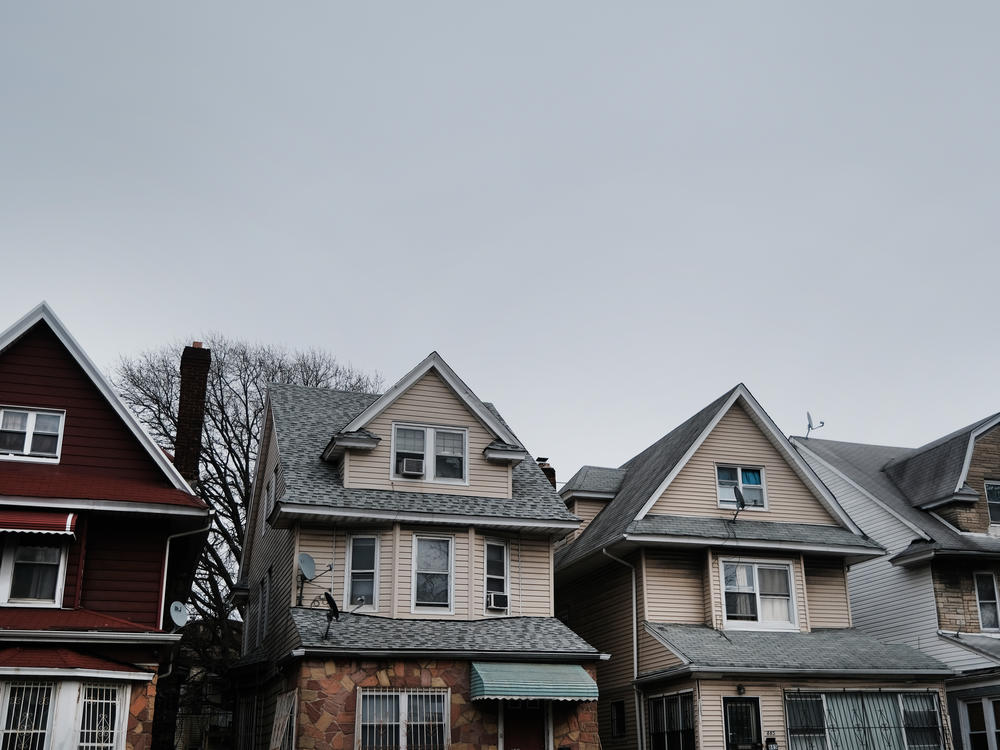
(740, 611)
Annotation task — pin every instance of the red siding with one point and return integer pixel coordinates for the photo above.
(75, 565)
(124, 568)
(37, 370)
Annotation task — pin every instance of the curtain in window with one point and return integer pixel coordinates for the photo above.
(751, 476)
(36, 569)
(775, 597)
(13, 430)
(986, 591)
(741, 600)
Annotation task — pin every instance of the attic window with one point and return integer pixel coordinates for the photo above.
(750, 481)
(30, 434)
(993, 501)
(430, 454)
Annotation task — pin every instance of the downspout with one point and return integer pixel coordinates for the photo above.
(640, 730)
(166, 560)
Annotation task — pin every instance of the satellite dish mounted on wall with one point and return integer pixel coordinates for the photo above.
(307, 565)
(179, 614)
(740, 502)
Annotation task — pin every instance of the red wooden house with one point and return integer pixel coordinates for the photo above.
(99, 533)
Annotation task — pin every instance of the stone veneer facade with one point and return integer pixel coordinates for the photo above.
(139, 734)
(327, 702)
(955, 593)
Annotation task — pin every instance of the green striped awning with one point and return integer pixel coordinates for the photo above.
(507, 681)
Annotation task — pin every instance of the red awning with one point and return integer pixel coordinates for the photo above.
(37, 522)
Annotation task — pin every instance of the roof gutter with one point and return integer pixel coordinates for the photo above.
(166, 560)
(552, 656)
(694, 670)
(635, 647)
(87, 636)
(706, 541)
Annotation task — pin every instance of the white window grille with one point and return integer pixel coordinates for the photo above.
(414, 719)
(99, 717)
(283, 728)
(26, 715)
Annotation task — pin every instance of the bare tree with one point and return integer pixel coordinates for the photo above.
(234, 405)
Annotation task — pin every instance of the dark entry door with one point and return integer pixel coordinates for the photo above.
(742, 723)
(524, 726)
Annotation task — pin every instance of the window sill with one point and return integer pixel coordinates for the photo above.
(29, 459)
(32, 603)
(770, 626)
(732, 506)
(418, 609)
(413, 480)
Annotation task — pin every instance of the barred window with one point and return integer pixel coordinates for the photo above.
(671, 722)
(26, 715)
(99, 717)
(856, 720)
(403, 719)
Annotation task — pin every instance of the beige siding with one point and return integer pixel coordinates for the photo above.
(737, 440)
(586, 510)
(428, 402)
(328, 545)
(799, 583)
(771, 695)
(826, 586)
(674, 587)
(653, 655)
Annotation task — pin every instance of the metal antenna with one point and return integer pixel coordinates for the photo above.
(810, 427)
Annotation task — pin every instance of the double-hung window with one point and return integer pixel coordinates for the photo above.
(993, 501)
(749, 480)
(435, 454)
(31, 573)
(986, 595)
(432, 574)
(758, 593)
(362, 571)
(30, 434)
(496, 576)
(403, 719)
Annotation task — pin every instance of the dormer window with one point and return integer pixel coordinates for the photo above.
(993, 501)
(430, 454)
(29, 434)
(749, 480)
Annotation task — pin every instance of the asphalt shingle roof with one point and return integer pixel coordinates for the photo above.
(981, 643)
(840, 650)
(745, 528)
(864, 465)
(306, 418)
(500, 635)
(643, 474)
(595, 479)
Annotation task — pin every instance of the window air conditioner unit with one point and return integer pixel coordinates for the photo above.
(496, 601)
(413, 467)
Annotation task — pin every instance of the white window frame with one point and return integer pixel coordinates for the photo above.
(996, 599)
(667, 694)
(506, 576)
(5, 686)
(429, 447)
(123, 691)
(986, 489)
(759, 624)
(66, 708)
(7, 575)
(403, 694)
(731, 505)
(426, 608)
(348, 570)
(989, 723)
(33, 412)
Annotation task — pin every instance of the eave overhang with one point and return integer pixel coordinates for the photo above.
(519, 656)
(696, 671)
(855, 553)
(88, 636)
(512, 455)
(360, 440)
(908, 559)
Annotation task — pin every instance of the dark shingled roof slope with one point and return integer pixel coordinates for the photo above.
(863, 464)
(982, 643)
(643, 474)
(594, 479)
(306, 418)
(829, 650)
(932, 472)
(501, 635)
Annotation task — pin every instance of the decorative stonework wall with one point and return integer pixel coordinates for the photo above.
(328, 703)
(955, 594)
(139, 734)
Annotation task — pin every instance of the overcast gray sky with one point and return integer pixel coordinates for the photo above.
(603, 215)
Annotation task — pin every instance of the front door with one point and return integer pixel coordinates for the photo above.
(742, 723)
(523, 726)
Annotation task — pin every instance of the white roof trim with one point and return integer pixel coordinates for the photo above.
(723, 542)
(778, 439)
(42, 312)
(971, 446)
(799, 445)
(435, 362)
(68, 674)
(116, 506)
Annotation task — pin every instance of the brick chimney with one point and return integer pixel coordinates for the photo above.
(547, 470)
(195, 362)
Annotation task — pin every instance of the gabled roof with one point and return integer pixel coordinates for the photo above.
(828, 651)
(304, 418)
(42, 313)
(936, 472)
(649, 473)
(435, 362)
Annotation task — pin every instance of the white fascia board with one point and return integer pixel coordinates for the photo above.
(587, 495)
(801, 446)
(706, 541)
(665, 643)
(87, 636)
(71, 674)
(435, 362)
(447, 519)
(113, 506)
(42, 312)
(971, 446)
(255, 489)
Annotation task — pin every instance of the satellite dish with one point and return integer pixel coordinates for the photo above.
(179, 614)
(307, 565)
(809, 419)
(810, 426)
(332, 604)
(740, 502)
